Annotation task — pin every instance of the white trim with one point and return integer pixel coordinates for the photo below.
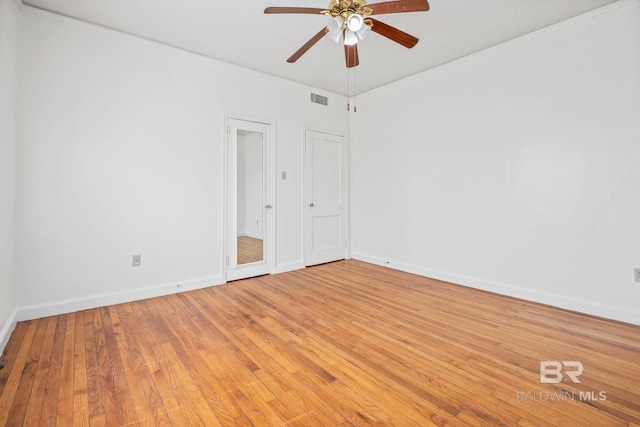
(347, 187)
(270, 192)
(5, 332)
(252, 235)
(508, 44)
(593, 308)
(77, 304)
(438, 68)
(88, 25)
(290, 266)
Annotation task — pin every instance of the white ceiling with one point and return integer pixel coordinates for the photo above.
(238, 31)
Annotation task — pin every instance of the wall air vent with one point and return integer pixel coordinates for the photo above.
(319, 99)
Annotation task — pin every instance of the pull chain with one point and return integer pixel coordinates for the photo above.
(355, 92)
(355, 108)
(348, 90)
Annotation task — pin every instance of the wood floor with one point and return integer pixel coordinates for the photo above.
(345, 343)
(249, 250)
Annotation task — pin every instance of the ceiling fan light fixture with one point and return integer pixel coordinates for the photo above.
(334, 28)
(355, 22)
(363, 31)
(350, 38)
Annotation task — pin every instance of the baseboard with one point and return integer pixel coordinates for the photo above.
(77, 304)
(593, 308)
(5, 332)
(291, 266)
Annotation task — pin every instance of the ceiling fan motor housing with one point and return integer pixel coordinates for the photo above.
(348, 16)
(346, 8)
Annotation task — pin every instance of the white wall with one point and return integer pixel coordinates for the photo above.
(515, 170)
(121, 152)
(8, 34)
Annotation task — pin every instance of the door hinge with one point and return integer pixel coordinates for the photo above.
(227, 259)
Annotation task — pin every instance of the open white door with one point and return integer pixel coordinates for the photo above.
(250, 215)
(325, 197)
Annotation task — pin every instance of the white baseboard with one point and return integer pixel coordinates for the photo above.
(5, 332)
(55, 308)
(291, 266)
(593, 308)
(77, 304)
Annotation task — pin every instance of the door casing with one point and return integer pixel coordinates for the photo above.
(328, 213)
(234, 123)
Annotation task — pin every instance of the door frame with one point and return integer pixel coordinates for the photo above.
(346, 186)
(269, 192)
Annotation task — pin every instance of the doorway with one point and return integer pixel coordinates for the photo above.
(325, 197)
(250, 211)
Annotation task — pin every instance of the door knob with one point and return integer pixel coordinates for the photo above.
(311, 205)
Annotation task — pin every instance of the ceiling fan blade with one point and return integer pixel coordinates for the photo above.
(308, 10)
(351, 55)
(392, 33)
(305, 47)
(399, 6)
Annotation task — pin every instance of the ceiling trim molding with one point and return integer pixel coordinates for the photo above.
(511, 43)
(91, 26)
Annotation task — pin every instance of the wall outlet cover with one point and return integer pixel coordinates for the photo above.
(136, 260)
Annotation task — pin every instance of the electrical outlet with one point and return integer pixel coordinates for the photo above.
(636, 274)
(136, 260)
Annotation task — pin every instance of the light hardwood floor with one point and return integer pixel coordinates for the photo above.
(345, 343)
(249, 250)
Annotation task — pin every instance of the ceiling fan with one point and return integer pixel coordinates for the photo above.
(351, 20)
